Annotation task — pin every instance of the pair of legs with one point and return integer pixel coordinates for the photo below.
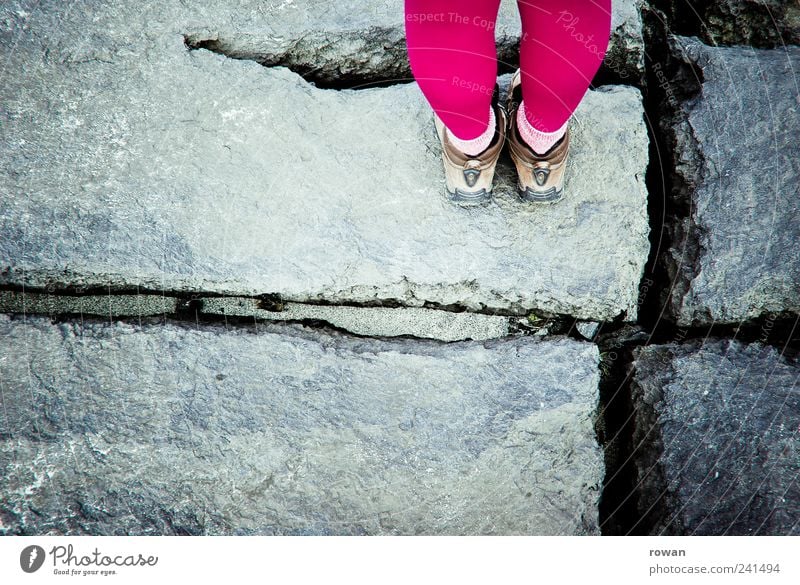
(451, 49)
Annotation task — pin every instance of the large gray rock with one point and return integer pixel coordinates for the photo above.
(737, 165)
(129, 160)
(762, 23)
(120, 429)
(365, 41)
(331, 42)
(716, 439)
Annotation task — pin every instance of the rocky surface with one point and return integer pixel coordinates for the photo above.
(377, 321)
(130, 160)
(360, 42)
(737, 165)
(332, 43)
(117, 429)
(758, 23)
(716, 438)
(624, 60)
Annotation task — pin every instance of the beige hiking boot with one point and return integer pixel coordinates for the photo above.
(540, 177)
(469, 177)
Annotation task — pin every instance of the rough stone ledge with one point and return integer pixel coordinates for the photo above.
(360, 44)
(189, 171)
(367, 321)
(737, 165)
(115, 429)
(716, 439)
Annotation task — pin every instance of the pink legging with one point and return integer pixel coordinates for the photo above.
(451, 48)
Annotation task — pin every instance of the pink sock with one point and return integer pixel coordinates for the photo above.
(539, 141)
(476, 145)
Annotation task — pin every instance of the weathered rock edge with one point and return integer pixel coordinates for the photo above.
(115, 429)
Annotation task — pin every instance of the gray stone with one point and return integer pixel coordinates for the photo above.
(365, 41)
(129, 160)
(624, 59)
(587, 329)
(374, 321)
(117, 429)
(737, 164)
(332, 42)
(761, 23)
(111, 306)
(716, 439)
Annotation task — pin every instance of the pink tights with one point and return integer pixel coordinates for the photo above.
(451, 48)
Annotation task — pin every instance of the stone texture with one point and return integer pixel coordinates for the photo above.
(116, 429)
(624, 58)
(129, 160)
(375, 321)
(760, 23)
(111, 306)
(717, 428)
(365, 41)
(332, 42)
(737, 165)
(587, 329)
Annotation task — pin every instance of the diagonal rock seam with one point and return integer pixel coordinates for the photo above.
(324, 76)
(329, 74)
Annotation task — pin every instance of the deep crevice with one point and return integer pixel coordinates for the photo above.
(615, 427)
(275, 302)
(674, 237)
(189, 308)
(327, 73)
(761, 25)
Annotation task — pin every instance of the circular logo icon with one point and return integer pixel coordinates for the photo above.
(31, 558)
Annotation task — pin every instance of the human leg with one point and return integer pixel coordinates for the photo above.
(452, 53)
(562, 46)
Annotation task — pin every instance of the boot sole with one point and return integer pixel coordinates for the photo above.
(548, 197)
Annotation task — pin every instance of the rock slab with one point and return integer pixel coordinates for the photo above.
(717, 429)
(737, 160)
(116, 429)
(129, 160)
(364, 41)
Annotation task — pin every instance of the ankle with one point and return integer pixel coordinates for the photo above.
(539, 141)
(474, 146)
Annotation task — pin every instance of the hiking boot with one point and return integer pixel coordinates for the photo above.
(469, 177)
(540, 176)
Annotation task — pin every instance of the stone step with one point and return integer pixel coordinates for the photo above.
(132, 161)
(328, 39)
(117, 429)
(737, 159)
(716, 440)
